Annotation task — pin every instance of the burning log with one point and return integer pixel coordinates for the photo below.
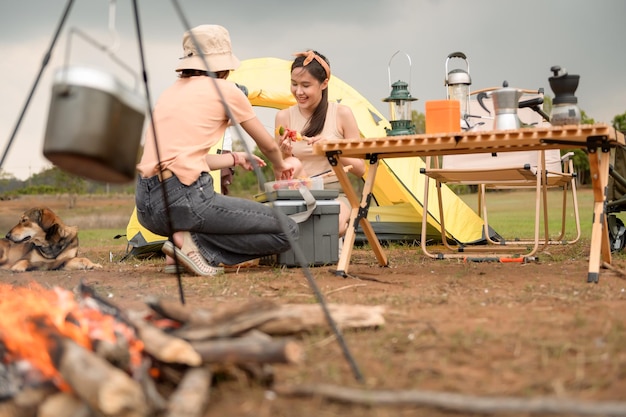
(100, 385)
(165, 347)
(88, 358)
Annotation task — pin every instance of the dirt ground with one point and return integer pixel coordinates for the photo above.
(488, 330)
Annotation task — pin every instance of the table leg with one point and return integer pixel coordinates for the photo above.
(358, 215)
(600, 243)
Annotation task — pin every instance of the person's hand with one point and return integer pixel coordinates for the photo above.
(314, 139)
(284, 171)
(242, 159)
(286, 145)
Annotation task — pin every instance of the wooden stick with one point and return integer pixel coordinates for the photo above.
(457, 402)
(192, 394)
(235, 326)
(100, 385)
(187, 314)
(621, 274)
(296, 318)
(288, 319)
(246, 349)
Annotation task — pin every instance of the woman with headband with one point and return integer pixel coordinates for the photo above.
(315, 118)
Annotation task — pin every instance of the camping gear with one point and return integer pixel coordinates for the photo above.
(94, 125)
(565, 109)
(458, 83)
(400, 100)
(317, 215)
(505, 104)
(510, 170)
(443, 116)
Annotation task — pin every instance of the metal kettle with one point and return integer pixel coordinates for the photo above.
(505, 104)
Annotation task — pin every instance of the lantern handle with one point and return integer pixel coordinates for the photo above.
(460, 55)
(389, 67)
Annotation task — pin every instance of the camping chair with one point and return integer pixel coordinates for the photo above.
(538, 170)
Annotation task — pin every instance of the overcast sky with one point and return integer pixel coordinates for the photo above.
(517, 41)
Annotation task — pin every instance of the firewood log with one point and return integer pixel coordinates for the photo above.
(296, 318)
(165, 347)
(235, 326)
(64, 404)
(155, 401)
(190, 315)
(191, 397)
(26, 401)
(249, 350)
(100, 385)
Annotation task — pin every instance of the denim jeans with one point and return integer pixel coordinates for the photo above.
(227, 230)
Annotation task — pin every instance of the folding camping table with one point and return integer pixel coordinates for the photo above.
(597, 139)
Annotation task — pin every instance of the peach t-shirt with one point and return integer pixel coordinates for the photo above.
(189, 119)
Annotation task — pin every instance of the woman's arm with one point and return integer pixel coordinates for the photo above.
(269, 147)
(347, 126)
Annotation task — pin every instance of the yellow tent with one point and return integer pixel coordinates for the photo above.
(398, 182)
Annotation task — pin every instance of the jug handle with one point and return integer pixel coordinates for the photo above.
(480, 97)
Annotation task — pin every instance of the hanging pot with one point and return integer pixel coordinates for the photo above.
(94, 125)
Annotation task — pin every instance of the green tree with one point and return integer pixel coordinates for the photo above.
(419, 121)
(619, 122)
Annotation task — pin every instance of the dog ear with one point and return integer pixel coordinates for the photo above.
(47, 218)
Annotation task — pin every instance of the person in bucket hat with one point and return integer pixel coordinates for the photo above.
(190, 117)
(211, 43)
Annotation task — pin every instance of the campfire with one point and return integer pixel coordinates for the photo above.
(71, 354)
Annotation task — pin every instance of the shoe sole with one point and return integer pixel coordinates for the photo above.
(172, 251)
(174, 269)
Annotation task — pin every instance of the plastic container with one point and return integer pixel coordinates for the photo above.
(443, 116)
(294, 184)
(318, 235)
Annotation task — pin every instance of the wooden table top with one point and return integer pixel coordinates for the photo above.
(533, 138)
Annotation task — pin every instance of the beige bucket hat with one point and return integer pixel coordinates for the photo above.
(214, 43)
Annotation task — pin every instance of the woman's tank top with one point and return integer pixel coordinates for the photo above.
(314, 164)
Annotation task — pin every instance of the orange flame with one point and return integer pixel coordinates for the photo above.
(23, 312)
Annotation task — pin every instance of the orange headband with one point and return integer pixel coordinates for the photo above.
(310, 56)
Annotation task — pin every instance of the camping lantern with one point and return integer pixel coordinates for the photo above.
(400, 106)
(458, 83)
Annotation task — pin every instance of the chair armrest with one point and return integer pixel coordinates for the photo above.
(567, 156)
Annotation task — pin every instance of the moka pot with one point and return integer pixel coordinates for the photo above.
(505, 104)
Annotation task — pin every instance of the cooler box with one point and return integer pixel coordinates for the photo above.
(319, 234)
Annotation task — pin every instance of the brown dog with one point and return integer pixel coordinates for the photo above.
(42, 241)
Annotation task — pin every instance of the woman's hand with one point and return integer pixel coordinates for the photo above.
(314, 139)
(284, 171)
(286, 145)
(242, 159)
